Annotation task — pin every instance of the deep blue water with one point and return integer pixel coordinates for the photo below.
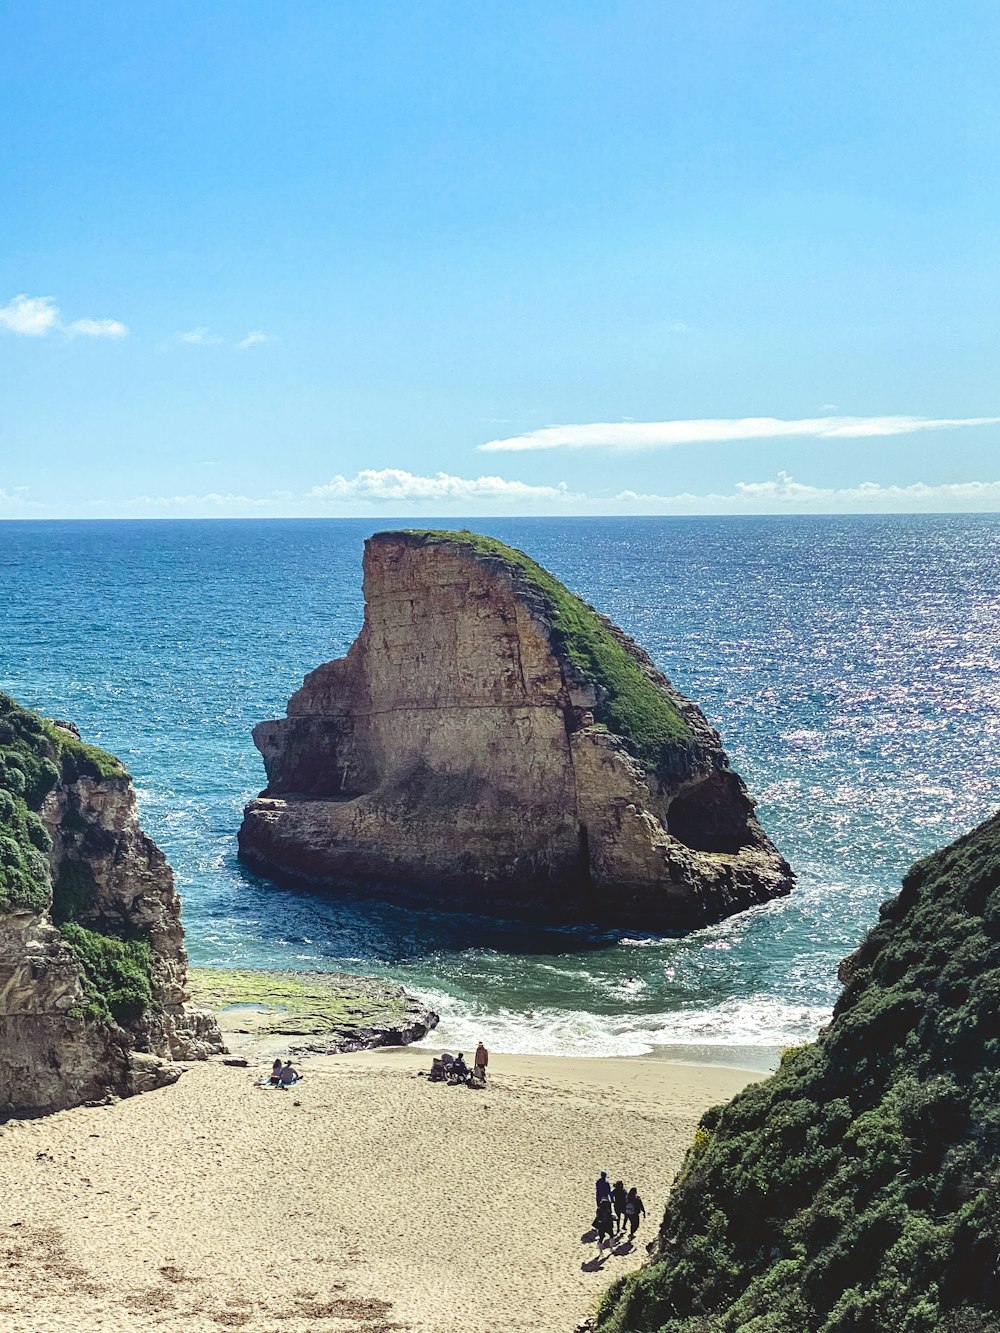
(851, 664)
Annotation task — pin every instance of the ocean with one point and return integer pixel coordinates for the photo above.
(851, 664)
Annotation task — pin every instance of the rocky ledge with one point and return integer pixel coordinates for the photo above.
(491, 741)
(93, 997)
(323, 1013)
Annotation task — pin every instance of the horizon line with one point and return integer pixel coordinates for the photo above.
(391, 518)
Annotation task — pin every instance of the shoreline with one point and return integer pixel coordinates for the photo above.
(366, 1198)
(304, 1015)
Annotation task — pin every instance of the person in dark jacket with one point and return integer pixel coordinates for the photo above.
(605, 1223)
(618, 1199)
(603, 1187)
(634, 1208)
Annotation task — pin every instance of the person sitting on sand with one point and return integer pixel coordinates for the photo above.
(603, 1187)
(604, 1223)
(288, 1075)
(459, 1068)
(618, 1198)
(482, 1060)
(275, 1073)
(633, 1208)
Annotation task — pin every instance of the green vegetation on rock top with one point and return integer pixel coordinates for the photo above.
(858, 1189)
(632, 706)
(27, 775)
(35, 755)
(117, 973)
(84, 759)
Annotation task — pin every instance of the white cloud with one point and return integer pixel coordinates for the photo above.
(35, 316)
(397, 492)
(30, 316)
(200, 337)
(16, 498)
(254, 338)
(784, 494)
(394, 484)
(666, 434)
(97, 328)
(213, 501)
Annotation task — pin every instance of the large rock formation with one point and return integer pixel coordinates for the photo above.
(490, 740)
(92, 961)
(857, 1190)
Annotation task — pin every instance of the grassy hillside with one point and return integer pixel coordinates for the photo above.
(632, 707)
(858, 1190)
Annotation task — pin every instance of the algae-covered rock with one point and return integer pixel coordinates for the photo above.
(323, 1011)
(92, 960)
(858, 1190)
(490, 740)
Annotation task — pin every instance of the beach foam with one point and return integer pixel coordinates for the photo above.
(759, 1020)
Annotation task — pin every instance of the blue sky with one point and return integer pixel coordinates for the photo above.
(309, 258)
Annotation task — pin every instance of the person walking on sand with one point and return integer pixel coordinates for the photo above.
(605, 1223)
(603, 1188)
(618, 1198)
(634, 1208)
(481, 1061)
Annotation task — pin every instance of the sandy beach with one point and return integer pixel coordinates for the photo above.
(366, 1198)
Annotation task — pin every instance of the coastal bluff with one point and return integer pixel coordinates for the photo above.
(93, 970)
(857, 1189)
(491, 741)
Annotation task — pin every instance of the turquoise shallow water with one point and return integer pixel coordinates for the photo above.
(851, 664)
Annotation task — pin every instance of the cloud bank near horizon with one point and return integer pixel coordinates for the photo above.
(391, 484)
(718, 430)
(37, 316)
(395, 491)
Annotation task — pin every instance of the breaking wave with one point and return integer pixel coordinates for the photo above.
(758, 1020)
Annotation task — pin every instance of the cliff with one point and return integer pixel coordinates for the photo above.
(492, 741)
(92, 961)
(857, 1190)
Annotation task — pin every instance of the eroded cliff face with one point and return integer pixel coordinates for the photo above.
(92, 960)
(490, 740)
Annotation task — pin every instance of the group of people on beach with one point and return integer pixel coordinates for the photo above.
(453, 1069)
(616, 1208)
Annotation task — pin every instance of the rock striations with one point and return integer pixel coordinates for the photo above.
(92, 961)
(490, 740)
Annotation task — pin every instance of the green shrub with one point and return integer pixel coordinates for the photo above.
(629, 704)
(117, 973)
(856, 1190)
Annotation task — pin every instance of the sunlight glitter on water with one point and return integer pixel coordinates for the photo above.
(851, 666)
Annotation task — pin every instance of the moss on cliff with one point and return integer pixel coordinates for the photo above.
(858, 1189)
(630, 704)
(81, 759)
(117, 973)
(27, 775)
(35, 755)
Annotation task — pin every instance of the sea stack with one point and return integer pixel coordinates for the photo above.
(93, 970)
(491, 741)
